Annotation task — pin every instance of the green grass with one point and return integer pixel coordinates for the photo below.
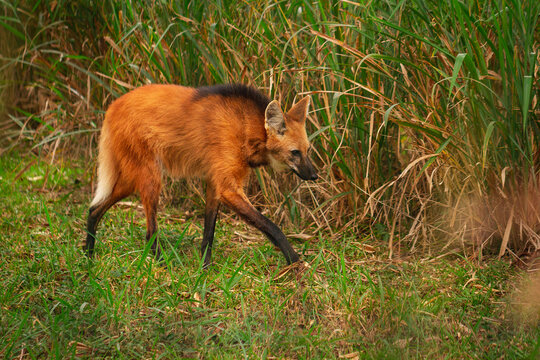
(421, 109)
(350, 302)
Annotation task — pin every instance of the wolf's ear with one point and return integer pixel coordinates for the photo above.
(299, 110)
(274, 118)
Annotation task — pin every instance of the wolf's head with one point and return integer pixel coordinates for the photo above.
(287, 141)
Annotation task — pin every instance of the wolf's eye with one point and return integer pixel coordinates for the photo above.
(296, 153)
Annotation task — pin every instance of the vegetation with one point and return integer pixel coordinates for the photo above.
(425, 130)
(348, 302)
(433, 101)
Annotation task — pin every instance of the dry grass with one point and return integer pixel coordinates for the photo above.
(417, 106)
(507, 221)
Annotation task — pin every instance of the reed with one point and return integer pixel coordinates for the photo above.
(419, 106)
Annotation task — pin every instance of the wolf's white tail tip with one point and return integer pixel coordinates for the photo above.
(106, 171)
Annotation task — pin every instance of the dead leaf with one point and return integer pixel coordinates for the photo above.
(301, 236)
(354, 355)
(197, 298)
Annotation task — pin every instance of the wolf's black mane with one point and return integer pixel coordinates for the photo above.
(235, 90)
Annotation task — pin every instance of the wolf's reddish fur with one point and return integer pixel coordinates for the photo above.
(214, 136)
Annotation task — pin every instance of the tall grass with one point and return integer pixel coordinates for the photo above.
(417, 105)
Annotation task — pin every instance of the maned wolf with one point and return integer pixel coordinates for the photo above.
(217, 133)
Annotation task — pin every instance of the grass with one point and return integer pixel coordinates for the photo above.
(425, 132)
(418, 106)
(350, 301)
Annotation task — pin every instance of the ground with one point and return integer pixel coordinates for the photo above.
(346, 300)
